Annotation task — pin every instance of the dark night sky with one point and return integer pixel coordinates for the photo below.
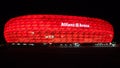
(107, 10)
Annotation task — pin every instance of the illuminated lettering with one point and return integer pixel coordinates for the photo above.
(74, 25)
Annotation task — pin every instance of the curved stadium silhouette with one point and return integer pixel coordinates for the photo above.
(57, 29)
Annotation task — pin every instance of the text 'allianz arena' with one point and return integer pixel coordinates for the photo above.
(57, 29)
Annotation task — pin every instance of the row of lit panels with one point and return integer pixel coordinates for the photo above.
(12, 37)
(55, 29)
(56, 33)
(59, 40)
(42, 21)
(39, 26)
(56, 17)
(59, 36)
(53, 24)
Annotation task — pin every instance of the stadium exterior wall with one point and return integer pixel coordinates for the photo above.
(57, 29)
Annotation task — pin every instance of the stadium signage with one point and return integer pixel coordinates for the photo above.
(74, 24)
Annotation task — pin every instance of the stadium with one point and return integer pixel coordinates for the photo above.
(57, 29)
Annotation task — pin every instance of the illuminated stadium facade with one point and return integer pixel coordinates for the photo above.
(57, 29)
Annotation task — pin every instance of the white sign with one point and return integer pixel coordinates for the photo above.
(74, 24)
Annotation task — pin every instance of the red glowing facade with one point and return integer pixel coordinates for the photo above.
(57, 29)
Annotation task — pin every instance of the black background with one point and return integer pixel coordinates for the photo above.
(73, 57)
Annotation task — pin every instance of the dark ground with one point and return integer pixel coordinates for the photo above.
(60, 57)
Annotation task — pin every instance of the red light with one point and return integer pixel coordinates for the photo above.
(57, 29)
